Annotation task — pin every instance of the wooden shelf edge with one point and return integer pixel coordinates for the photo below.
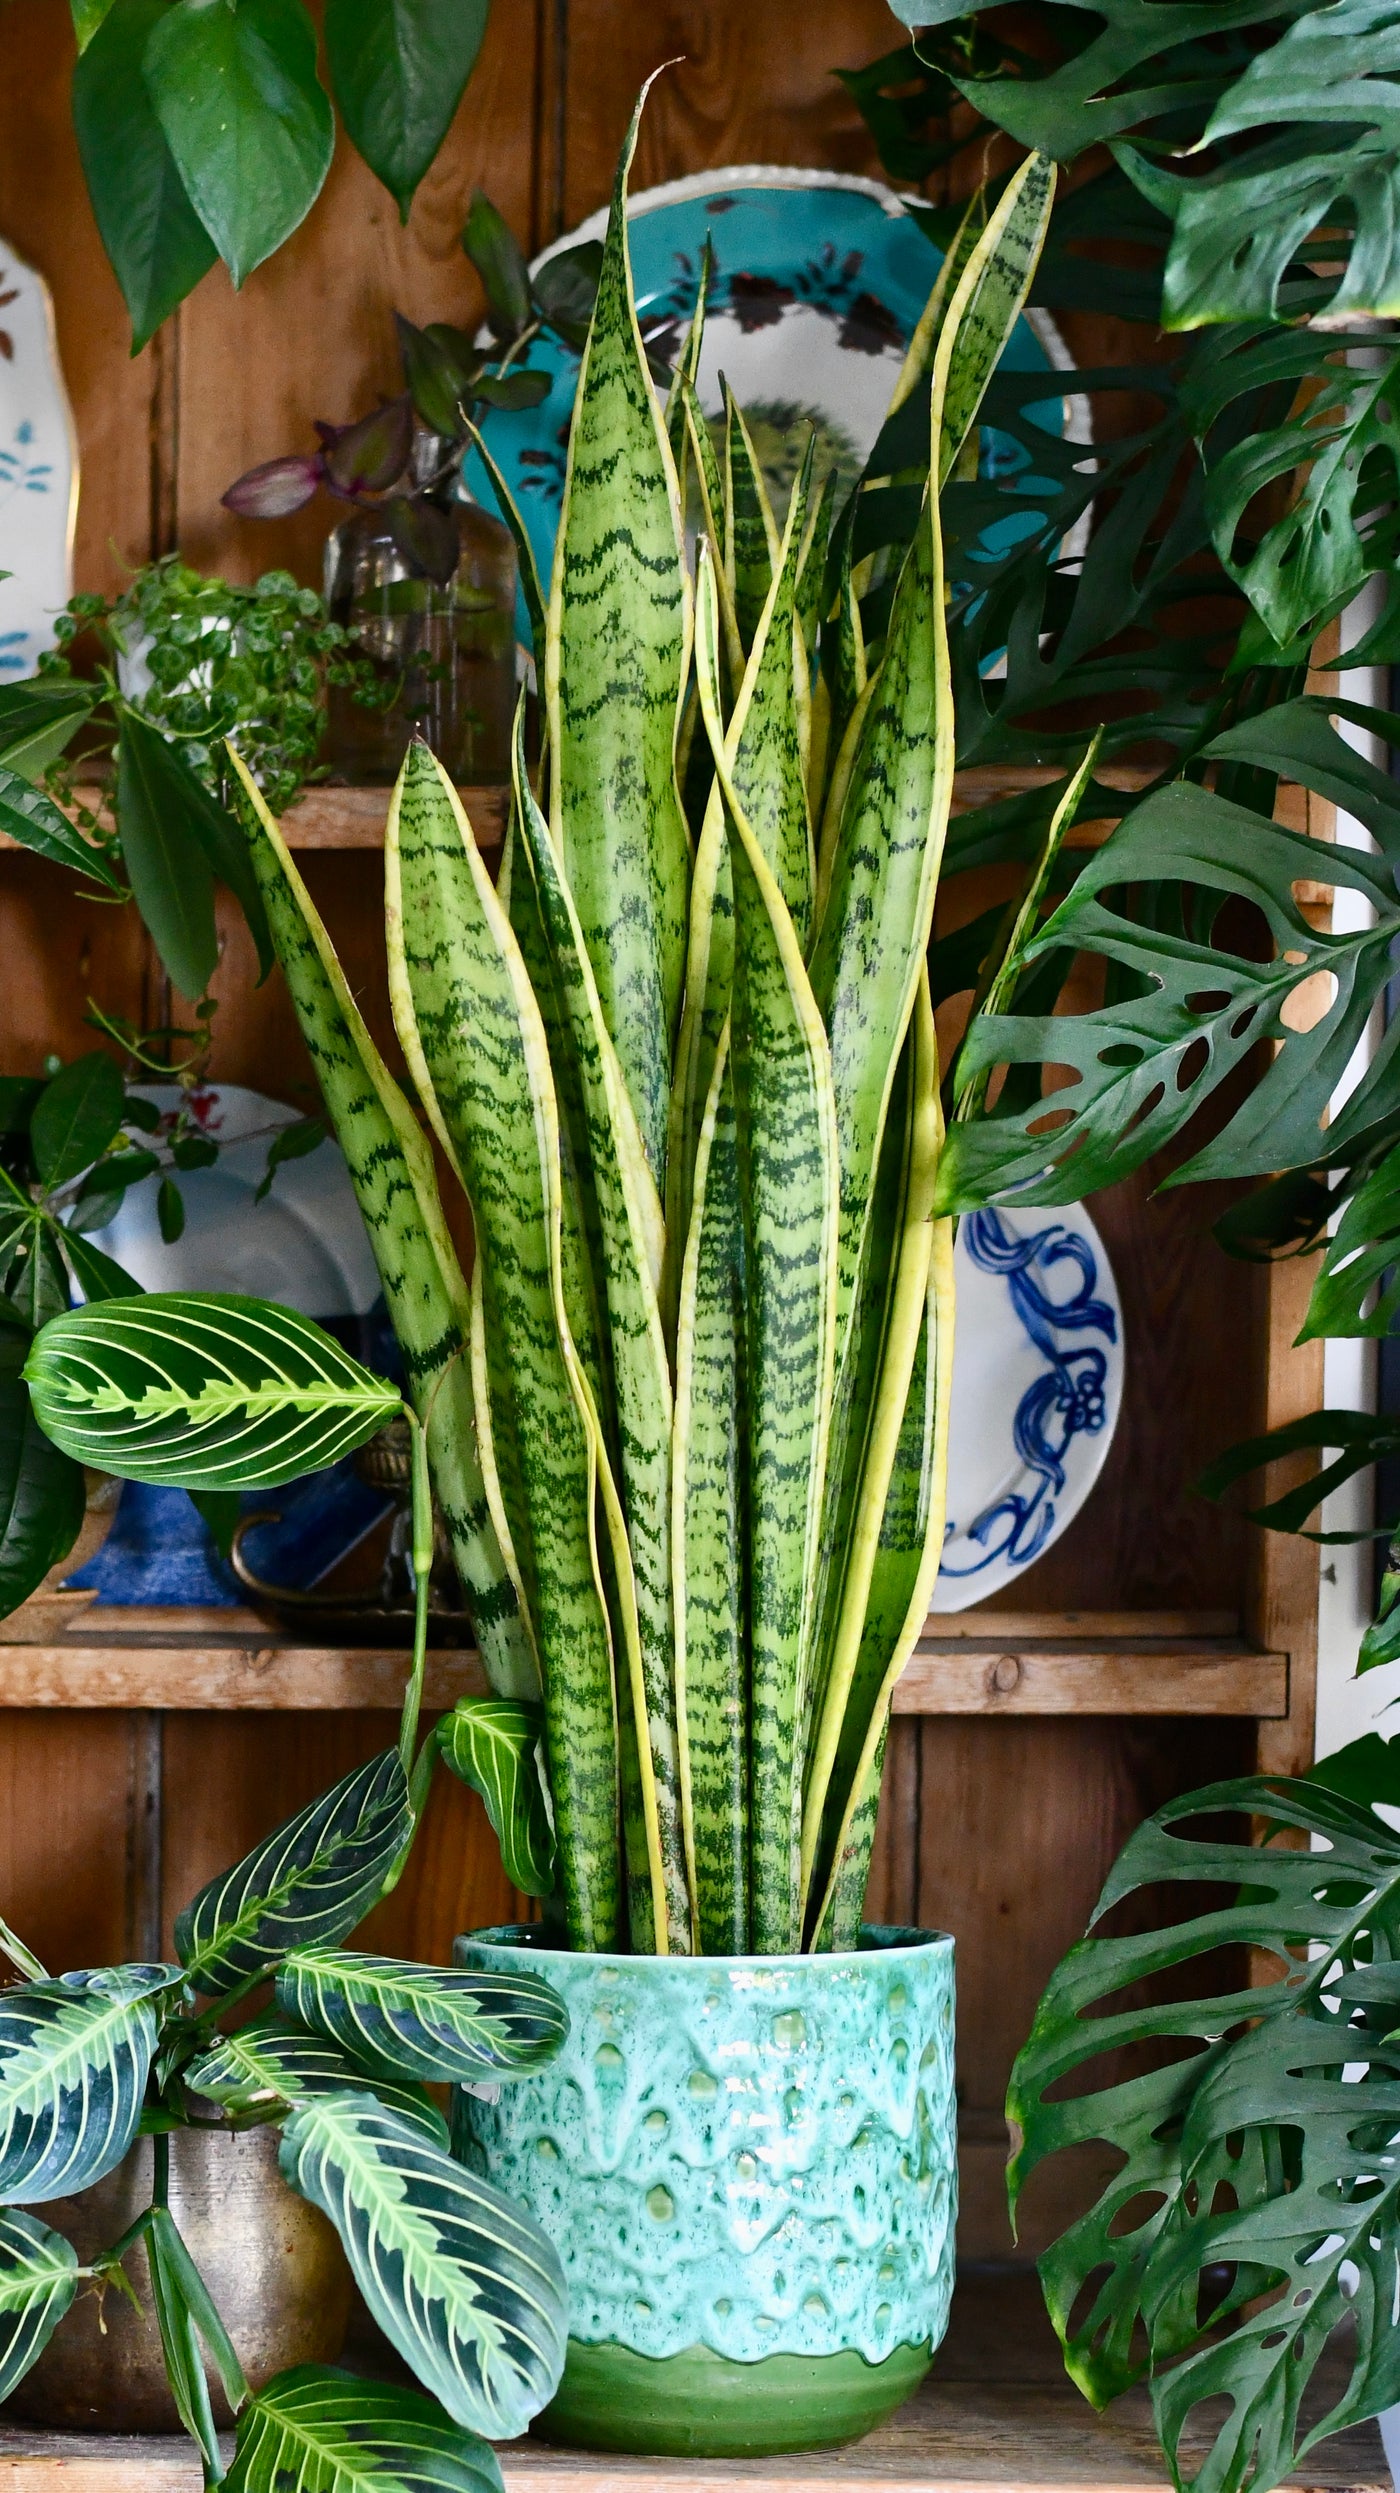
(954, 1675)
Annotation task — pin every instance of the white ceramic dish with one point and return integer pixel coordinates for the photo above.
(38, 471)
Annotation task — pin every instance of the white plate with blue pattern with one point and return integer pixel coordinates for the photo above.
(1037, 1388)
(38, 472)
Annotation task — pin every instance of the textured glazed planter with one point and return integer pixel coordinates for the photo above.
(748, 2167)
(272, 2262)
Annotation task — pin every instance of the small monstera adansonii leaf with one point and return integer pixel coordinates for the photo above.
(269, 2066)
(75, 2052)
(1244, 2152)
(466, 2287)
(311, 1880)
(494, 1748)
(38, 2279)
(423, 2021)
(196, 1390)
(320, 2430)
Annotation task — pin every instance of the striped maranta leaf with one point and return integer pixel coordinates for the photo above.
(74, 2056)
(391, 1169)
(708, 1523)
(200, 1390)
(627, 1219)
(317, 2430)
(38, 2279)
(494, 1748)
(422, 2021)
(465, 2287)
(471, 1030)
(269, 2065)
(615, 670)
(312, 1879)
(787, 1168)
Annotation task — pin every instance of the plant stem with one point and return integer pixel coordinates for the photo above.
(160, 2186)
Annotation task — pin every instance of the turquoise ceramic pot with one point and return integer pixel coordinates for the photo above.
(748, 2165)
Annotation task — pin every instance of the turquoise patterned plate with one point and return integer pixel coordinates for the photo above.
(818, 281)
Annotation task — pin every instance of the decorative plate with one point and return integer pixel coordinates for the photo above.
(304, 1245)
(38, 471)
(1037, 1385)
(817, 284)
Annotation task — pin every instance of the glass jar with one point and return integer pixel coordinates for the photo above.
(446, 649)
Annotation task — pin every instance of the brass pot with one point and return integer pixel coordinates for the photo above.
(273, 2264)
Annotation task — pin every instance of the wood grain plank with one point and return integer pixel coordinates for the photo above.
(1002, 1678)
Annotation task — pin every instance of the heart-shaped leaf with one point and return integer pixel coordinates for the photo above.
(423, 2021)
(398, 68)
(202, 1392)
(326, 2431)
(41, 1490)
(500, 264)
(74, 2056)
(38, 2279)
(468, 2289)
(312, 1879)
(150, 231)
(245, 117)
(269, 2066)
(494, 1747)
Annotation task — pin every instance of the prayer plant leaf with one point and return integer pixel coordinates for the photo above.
(398, 68)
(391, 1169)
(327, 2431)
(422, 2021)
(42, 1493)
(38, 2279)
(615, 669)
(310, 1881)
(493, 1747)
(465, 2287)
(74, 2057)
(1189, 1010)
(1243, 2155)
(245, 118)
(269, 2066)
(197, 1390)
(455, 967)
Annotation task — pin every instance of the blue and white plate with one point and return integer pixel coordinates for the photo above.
(304, 1245)
(38, 471)
(817, 284)
(1037, 1386)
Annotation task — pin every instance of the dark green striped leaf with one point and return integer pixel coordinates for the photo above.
(422, 2021)
(391, 1170)
(268, 2066)
(201, 1391)
(74, 2056)
(614, 681)
(465, 2287)
(312, 1879)
(315, 2430)
(474, 1039)
(38, 2279)
(750, 532)
(494, 1748)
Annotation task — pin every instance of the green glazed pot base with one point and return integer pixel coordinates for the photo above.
(699, 2404)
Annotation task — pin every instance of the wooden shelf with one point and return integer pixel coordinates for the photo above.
(1168, 1663)
(996, 2414)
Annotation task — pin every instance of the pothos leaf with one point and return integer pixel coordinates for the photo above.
(493, 1747)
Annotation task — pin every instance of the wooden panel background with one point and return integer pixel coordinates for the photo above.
(1000, 1831)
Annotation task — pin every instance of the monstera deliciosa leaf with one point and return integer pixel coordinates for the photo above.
(1258, 2150)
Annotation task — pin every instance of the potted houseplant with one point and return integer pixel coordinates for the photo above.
(127, 2106)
